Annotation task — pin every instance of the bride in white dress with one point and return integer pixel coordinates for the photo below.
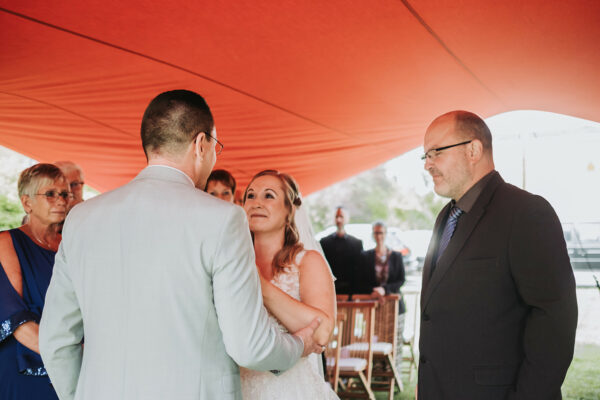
(297, 287)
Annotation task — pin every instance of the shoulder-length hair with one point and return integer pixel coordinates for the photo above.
(291, 241)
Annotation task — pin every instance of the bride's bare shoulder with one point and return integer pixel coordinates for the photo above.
(312, 259)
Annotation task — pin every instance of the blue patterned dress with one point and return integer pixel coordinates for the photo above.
(22, 373)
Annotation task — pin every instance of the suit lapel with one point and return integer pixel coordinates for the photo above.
(428, 263)
(464, 228)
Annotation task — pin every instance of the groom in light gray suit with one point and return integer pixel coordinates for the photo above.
(159, 277)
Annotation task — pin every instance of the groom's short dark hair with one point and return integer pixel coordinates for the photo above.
(172, 120)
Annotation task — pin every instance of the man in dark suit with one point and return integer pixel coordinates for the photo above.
(498, 305)
(343, 254)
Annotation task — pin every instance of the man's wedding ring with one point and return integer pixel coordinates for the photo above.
(323, 348)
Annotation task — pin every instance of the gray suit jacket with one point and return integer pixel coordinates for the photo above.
(160, 279)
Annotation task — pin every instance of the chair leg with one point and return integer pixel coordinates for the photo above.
(391, 390)
(411, 359)
(412, 365)
(363, 379)
(355, 388)
(397, 376)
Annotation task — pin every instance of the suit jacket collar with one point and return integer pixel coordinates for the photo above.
(465, 226)
(165, 173)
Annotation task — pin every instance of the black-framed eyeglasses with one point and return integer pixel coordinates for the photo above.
(219, 146)
(433, 153)
(53, 195)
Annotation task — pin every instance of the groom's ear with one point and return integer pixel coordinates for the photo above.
(200, 144)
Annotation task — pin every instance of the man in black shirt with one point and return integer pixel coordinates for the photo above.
(343, 254)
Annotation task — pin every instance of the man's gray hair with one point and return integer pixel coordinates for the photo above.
(380, 224)
(68, 166)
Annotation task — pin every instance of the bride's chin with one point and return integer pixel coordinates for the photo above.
(256, 229)
(266, 230)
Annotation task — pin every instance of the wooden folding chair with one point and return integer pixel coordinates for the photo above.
(356, 356)
(411, 299)
(385, 376)
(332, 354)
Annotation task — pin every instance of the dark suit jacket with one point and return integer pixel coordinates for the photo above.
(343, 256)
(499, 311)
(366, 275)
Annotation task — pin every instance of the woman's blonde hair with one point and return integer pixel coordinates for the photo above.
(291, 239)
(36, 176)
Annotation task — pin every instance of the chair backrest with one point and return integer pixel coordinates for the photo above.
(386, 318)
(358, 331)
(332, 353)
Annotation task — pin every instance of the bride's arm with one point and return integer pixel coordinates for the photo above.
(318, 299)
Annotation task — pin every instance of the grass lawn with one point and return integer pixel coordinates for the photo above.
(583, 377)
(582, 382)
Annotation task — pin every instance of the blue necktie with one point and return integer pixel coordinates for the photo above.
(455, 213)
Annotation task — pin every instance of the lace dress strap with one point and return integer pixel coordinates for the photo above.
(299, 257)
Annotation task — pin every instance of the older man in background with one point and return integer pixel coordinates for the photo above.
(74, 175)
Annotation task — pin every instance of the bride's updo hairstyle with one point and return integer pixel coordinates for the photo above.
(291, 240)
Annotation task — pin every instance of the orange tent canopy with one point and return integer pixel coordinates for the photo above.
(321, 90)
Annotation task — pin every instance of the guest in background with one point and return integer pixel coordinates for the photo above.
(74, 176)
(26, 263)
(343, 254)
(221, 184)
(381, 273)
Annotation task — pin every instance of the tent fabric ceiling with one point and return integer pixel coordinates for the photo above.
(321, 90)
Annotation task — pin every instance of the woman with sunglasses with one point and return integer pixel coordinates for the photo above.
(26, 262)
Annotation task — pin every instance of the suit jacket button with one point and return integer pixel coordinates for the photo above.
(425, 317)
(423, 360)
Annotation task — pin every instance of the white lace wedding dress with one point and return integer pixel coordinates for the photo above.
(301, 382)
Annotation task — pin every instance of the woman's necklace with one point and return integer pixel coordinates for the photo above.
(40, 241)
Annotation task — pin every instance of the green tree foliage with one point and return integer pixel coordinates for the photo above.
(370, 196)
(374, 196)
(320, 214)
(422, 218)
(11, 213)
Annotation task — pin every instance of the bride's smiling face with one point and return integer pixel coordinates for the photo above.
(265, 205)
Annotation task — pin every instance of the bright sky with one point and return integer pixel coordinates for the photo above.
(560, 155)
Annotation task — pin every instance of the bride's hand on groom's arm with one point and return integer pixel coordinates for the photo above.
(306, 334)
